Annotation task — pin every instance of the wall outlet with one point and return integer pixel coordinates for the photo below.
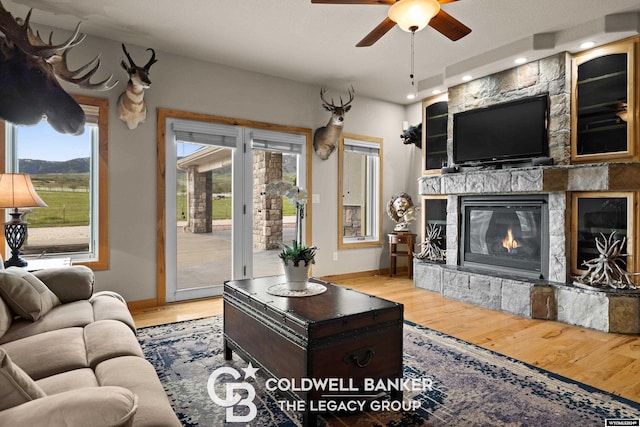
(335, 256)
(315, 198)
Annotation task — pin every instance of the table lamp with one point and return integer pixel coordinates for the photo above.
(16, 191)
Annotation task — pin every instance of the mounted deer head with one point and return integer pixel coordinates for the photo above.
(131, 107)
(29, 73)
(325, 139)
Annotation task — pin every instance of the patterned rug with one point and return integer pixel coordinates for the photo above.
(470, 386)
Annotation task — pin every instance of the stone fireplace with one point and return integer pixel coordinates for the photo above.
(526, 270)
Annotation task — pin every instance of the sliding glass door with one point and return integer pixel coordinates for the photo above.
(219, 223)
(277, 156)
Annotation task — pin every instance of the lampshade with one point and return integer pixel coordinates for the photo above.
(16, 191)
(413, 15)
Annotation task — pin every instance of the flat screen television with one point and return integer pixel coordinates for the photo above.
(510, 131)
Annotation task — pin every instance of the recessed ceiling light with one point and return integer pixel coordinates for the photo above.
(520, 60)
(587, 45)
(466, 78)
(436, 91)
(411, 96)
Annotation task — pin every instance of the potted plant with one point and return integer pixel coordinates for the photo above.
(296, 260)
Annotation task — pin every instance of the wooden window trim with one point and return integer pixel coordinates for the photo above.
(102, 262)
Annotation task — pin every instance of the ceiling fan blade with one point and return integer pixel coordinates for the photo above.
(449, 26)
(377, 32)
(389, 2)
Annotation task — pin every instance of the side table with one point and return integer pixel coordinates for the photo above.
(403, 238)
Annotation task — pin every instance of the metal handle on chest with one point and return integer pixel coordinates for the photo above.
(361, 357)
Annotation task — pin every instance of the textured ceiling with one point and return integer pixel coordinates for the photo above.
(315, 43)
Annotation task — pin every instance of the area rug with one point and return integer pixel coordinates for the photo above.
(468, 385)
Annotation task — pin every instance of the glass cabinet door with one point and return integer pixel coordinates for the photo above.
(434, 220)
(596, 215)
(604, 103)
(434, 130)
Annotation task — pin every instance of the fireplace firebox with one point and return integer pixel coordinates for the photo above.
(507, 234)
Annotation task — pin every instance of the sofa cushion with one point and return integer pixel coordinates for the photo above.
(27, 296)
(49, 353)
(78, 313)
(6, 317)
(93, 406)
(106, 339)
(68, 283)
(139, 376)
(65, 381)
(16, 387)
(110, 305)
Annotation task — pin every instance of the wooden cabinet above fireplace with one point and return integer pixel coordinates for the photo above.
(435, 119)
(604, 108)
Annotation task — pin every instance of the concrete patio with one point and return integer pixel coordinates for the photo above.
(203, 258)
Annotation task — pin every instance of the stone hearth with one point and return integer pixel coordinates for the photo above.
(553, 299)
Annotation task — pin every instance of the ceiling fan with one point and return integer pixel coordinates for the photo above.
(411, 16)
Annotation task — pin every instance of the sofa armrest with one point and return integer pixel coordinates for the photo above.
(68, 283)
(90, 406)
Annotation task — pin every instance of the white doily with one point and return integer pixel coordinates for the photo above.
(282, 290)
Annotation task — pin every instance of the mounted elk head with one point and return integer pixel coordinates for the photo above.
(29, 73)
(325, 139)
(131, 107)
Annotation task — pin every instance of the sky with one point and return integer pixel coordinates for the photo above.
(41, 142)
(184, 148)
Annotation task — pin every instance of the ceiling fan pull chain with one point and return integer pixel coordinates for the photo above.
(413, 35)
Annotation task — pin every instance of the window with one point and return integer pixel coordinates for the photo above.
(359, 193)
(70, 174)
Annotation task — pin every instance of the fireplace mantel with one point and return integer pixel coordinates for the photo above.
(540, 179)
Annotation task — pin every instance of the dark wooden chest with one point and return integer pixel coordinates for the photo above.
(341, 333)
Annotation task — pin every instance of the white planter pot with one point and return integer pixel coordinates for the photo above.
(296, 277)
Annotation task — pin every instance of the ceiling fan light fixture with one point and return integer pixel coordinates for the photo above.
(413, 15)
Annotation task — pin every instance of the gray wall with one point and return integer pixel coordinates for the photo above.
(196, 86)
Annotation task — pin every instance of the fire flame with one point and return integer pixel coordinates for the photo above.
(509, 243)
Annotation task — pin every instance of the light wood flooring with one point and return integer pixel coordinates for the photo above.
(607, 361)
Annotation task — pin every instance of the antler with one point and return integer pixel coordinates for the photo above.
(351, 92)
(27, 41)
(323, 90)
(19, 33)
(152, 61)
(132, 65)
(76, 77)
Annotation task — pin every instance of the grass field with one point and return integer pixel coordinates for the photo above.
(222, 208)
(67, 198)
(70, 208)
(64, 208)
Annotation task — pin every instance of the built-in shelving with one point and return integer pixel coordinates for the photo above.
(597, 214)
(435, 118)
(604, 103)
